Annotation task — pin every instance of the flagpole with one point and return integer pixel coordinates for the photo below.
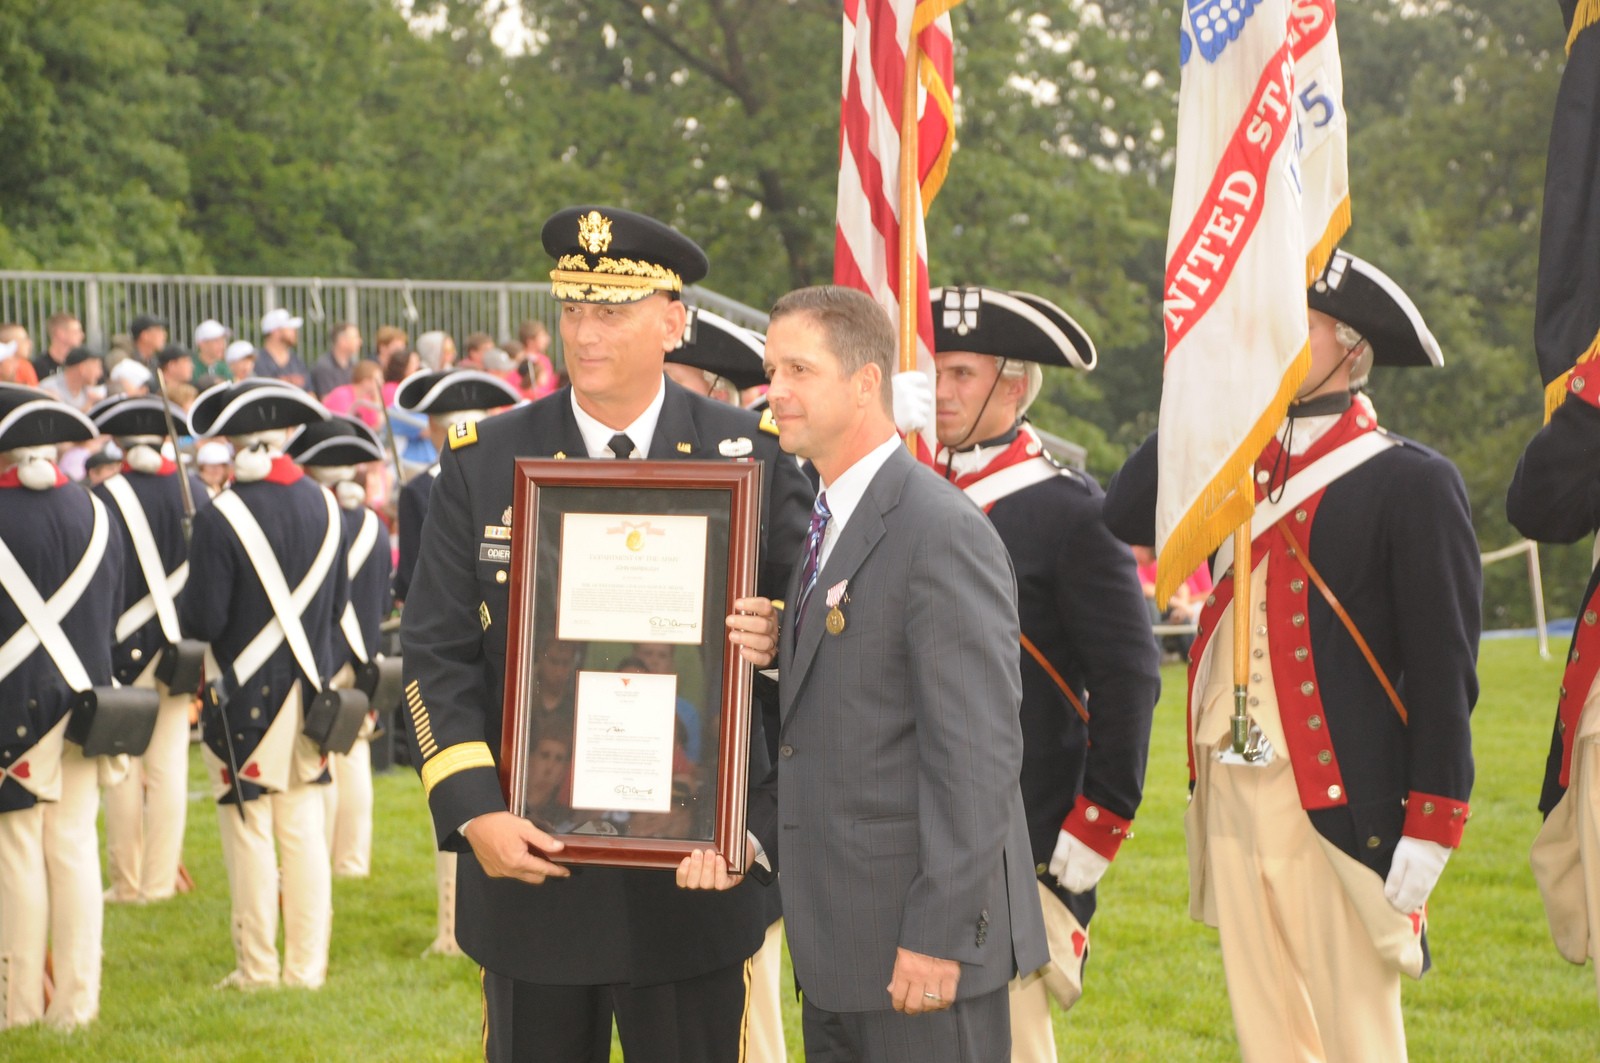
(1242, 604)
(909, 216)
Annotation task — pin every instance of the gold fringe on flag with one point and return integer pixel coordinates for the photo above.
(1586, 14)
(1555, 392)
(1338, 225)
(1222, 506)
(939, 97)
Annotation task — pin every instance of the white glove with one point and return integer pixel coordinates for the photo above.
(1076, 866)
(913, 401)
(1417, 865)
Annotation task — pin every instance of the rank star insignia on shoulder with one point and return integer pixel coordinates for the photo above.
(768, 424)
(463, 434)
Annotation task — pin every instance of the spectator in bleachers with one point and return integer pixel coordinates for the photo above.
(78, 383)
(387, 341)
(277, 358)
(241, 359)
(437, 350)
(148, 334)
(210, 348)
(478, 345)
(129, 378)
(214, 465)
(175, 366)
(362, 397)
(539, 375)
(333, 370)
(63, 332)
(15, 368)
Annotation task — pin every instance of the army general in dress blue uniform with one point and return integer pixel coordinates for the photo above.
(564, 954)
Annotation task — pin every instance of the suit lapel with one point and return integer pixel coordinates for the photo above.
(860, 536)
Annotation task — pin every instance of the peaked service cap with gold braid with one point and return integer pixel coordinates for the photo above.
(609, 255)
(1364, 297)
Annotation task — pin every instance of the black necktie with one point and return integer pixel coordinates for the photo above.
(621, 446)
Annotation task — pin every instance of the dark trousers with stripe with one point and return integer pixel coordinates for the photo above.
(697, 1020)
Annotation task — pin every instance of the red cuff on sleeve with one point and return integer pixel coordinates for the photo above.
(1584, 383)
(1097, 827)
(1436, 819)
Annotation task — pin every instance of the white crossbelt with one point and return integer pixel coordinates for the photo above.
(163, 586)
(1011, 479)
(287, 606)
(1302, 485)
(42, 619)
(360, 550)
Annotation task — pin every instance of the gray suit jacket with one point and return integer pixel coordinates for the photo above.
(897, 819)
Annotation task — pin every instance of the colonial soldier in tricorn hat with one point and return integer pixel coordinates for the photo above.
(446, 397)
(562, 955)
(267, 593)
(1555, 497)
(146, 812)
(1090, 674)
(329, 452)
(717, 357)
(1314, 851)
(61, 573)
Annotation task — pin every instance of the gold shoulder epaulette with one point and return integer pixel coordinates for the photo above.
(463, 434)
(767, 423)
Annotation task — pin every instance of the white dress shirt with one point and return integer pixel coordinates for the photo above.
(597, 436)
(845, 493)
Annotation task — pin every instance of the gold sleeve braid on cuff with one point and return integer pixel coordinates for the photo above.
(455, 759)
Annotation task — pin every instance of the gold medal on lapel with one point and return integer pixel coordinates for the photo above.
(835, 621)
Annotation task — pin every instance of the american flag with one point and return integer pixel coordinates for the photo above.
(1260, 199)
(867, 237)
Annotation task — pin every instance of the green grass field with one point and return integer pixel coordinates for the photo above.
(1498, 990)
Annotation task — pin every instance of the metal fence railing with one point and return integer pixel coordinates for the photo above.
(106, 303)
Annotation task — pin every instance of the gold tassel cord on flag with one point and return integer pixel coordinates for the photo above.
(1586, 14)
(1222, 506)
(1338, 225)
(1555, 392)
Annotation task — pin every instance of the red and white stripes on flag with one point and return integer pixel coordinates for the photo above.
(1260, 199)
(867, 235)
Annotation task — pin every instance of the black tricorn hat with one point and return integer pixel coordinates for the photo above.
(610, 255)
(121, 415)
(1364, 297)
(717, 345)
(340, 440)
(1014, 325)
(252, 406)
(33, 418)
(444, 391)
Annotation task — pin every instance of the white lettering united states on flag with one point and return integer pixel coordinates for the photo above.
(1260, 198)
(867, 236)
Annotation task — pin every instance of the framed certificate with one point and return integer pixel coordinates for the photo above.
(627, 714)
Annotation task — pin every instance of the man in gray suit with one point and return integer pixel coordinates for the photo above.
(894, 810)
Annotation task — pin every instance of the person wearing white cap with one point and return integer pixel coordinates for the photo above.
(241, 359)
(130, 377)
(210, 346)
(214, 462)
(279, 333)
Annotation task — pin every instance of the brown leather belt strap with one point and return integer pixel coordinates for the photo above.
(1049, 670)
(1297, 552)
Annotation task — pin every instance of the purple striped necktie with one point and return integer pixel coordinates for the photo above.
(820, 515)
